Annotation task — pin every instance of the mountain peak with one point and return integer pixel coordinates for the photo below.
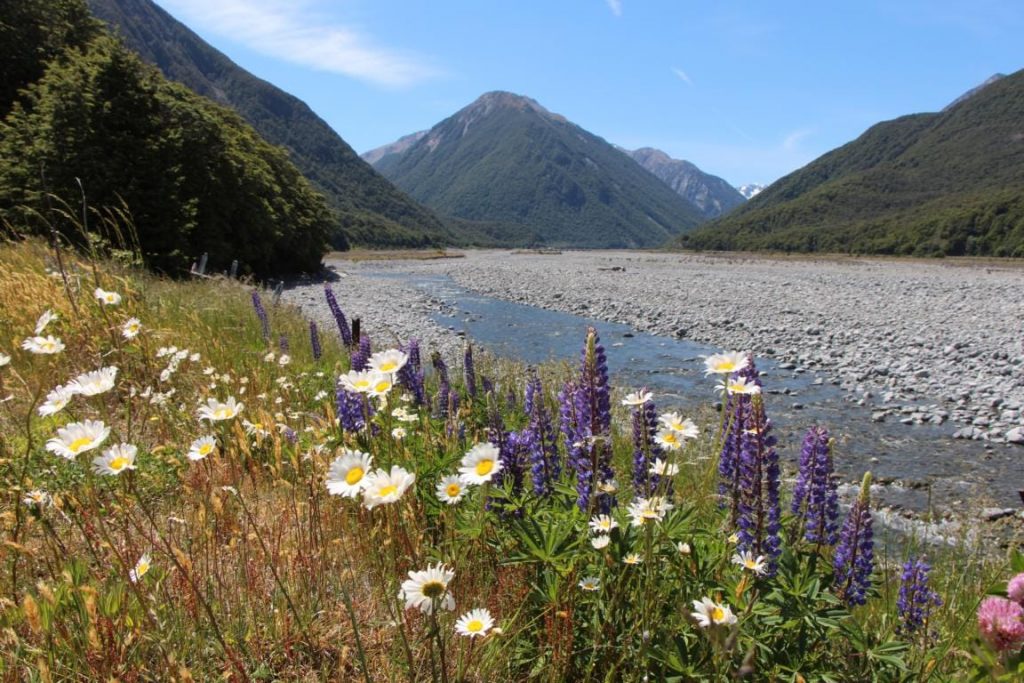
(710, 194)
(502, 100)
(975, 90)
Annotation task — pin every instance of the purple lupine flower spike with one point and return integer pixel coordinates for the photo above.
(646, 450)
(411, 374)
(916, 600)
(855, 555)
(822, 510)
(361, 356)
(444, 389)
(261, 313)
(339, 317)
(469, 370)
(314, 341)
(593, 425)
(282, 343)
(351, 413)
(571, 418)
(539, 441)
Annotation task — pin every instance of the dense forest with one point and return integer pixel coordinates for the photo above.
(946, 183)
(87, 121)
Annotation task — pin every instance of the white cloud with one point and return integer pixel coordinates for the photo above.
(615, 6)
(683, 76)
(294, 31)
(792, 141)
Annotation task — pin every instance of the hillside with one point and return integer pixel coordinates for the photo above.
(505, 159)
(371, 211)
(711, 195)
(925, 184)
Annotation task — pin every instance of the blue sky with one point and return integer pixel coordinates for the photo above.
(746, 90)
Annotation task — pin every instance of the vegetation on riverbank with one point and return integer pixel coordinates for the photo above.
(229, 525)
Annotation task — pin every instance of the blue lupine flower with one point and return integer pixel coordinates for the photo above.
(916, 600)
(339, 317)
(261, 313)
(314, 341)
(855, 555)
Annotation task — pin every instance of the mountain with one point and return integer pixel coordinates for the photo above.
(505, 159)
(710, 194)
(974, 91)
(925, 184)
(397, 147)
(370, 210)
(750, 190)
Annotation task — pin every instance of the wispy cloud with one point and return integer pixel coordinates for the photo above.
(792, 140)
(615, 6)
(683, 76)
(295, 31)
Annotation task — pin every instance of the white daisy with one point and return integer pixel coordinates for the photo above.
(270, 357)
(451, 489)
(683, 548)
(725, 363)
(131, 328)
(284, 360)
(643, 510)
(357, 381)
(56, 400)
(600, 541)
(590, 583)
(480, 464)
(94, 383)
(44, 320)
(608, 487)
(669, 438)
(632, 558)
(398, 433)
(386, 487)
(474, 623)
(738, 385)
(602, 524)
(115, 460)
(4, 359)
(380, 383)
(664, 469)
(36, 498)
(674, 421)
(201, 448)
(142, 568)
(425, 589)
(215, 411)
(388, 362)
(78, 437)
(347, 475)
(107, 298)
(711, 613)
(637, 398)
(747, 560)
(43, 345)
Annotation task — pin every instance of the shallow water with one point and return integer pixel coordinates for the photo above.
(923, 464)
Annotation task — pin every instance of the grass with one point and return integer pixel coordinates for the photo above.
(258, 573)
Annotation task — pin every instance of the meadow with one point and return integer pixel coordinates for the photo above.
(200, 484)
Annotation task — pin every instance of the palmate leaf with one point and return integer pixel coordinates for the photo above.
(551, 540)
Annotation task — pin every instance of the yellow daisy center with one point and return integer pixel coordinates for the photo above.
(717, 614)
(142, 568)
(382, 386)
(222, 413)
(79, 443)
(475, 626)
(433, 589)
(362, 384)
(205, 449)
(750, 564)
(388, 366)
(386, 491)
(118, 463)
(354, 476)
(453, 490)
(670, 438)
(484, 467)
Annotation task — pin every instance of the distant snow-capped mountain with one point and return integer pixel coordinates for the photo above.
(751, 190)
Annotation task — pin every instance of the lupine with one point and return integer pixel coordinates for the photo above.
(261, 313)
(314, 341)
(646, 451)
(469, 370)
(738, 418)
(443, 386)
(538, 440)
(411, 374)
(282, 343)
(855, 555)
(339, 317)
(815, 500)
(916, 600)
(351, 410)
(586, 425)
(759, 521)
(361, 356)
(510, 452)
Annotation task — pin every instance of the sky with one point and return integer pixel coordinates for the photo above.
(749, 91)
